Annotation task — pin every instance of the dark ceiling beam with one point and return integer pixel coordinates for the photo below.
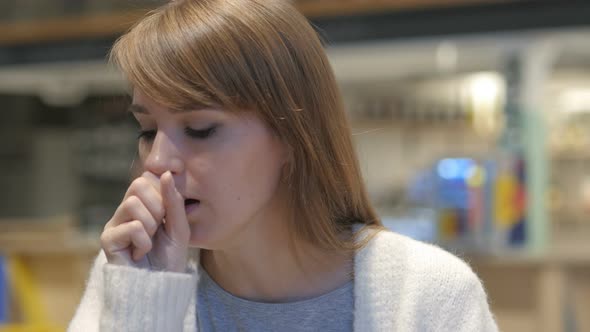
(87, 41)
(482, 18)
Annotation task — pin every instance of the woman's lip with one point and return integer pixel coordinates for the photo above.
(188, 208)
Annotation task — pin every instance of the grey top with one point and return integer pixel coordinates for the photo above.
(218, 310)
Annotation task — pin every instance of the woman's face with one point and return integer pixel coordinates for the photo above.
(227, 167)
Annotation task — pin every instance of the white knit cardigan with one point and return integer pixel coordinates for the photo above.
(400, 285)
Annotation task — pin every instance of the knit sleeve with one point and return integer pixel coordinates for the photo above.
(120, 298)
(87, 315)
(467, 309)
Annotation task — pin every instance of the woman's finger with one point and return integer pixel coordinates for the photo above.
(125, 235)
(149, 193)
(134, 209)
(176, 224)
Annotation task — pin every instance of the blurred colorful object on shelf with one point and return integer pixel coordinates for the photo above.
(3, 292)
(25, 291)
(480, 205)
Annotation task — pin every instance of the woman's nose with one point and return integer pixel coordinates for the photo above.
(164, 156)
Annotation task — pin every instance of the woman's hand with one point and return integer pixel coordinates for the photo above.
(149, 229)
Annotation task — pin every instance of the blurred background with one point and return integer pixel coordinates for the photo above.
(471, 120)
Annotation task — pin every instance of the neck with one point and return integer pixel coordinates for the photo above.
(264, 267)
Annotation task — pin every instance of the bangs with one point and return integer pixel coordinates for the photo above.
(163, 58)
(216, 54)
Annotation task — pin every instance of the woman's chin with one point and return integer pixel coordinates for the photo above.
(200, 238)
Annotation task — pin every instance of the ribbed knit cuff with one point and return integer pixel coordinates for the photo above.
(142, 300)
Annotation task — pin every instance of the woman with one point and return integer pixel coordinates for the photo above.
(251, 213)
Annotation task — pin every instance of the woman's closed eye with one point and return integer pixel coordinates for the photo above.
(200, 133)
(149, 135)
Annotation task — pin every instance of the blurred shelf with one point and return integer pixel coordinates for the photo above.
(54, 236)
(566, 249)
(572, 257)
(74, 27)
(568, 156)
(545, 299)
(50, 259)
(81, 37)
(315, 8)
(85, 26)
(538, 293)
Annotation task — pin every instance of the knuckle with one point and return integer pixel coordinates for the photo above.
(107, 226)
(105, 239)
(136, 227)
(139, 184)
(149, 177)
(133, 202)
(102, 238)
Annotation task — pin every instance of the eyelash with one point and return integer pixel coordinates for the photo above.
(193, 133)
(200, 134)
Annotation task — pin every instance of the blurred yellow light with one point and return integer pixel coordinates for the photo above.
(477, 176)
(485, 87)
(485, 94)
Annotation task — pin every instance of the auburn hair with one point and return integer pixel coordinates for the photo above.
(264, 57)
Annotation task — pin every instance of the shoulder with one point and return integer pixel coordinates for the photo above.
(410, 285)
(401, 257)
